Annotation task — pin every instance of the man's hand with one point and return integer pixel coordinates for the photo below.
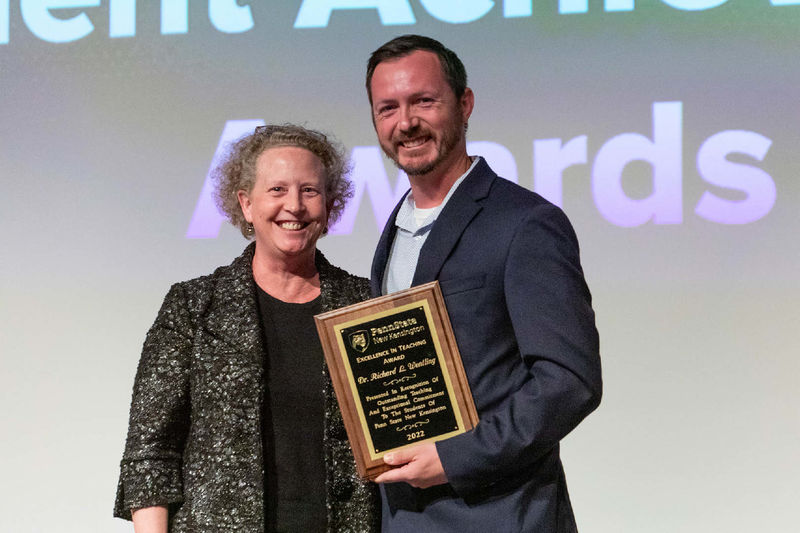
(418, 466)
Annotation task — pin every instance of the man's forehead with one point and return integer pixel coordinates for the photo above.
(411, 72)
(418, 58)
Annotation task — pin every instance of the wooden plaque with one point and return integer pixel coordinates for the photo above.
(397, 373)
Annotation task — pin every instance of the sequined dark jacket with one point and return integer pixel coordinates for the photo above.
(194, 440)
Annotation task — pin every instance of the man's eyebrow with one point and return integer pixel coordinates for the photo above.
(425, 92)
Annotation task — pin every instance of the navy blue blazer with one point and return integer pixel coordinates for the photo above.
(508, 264)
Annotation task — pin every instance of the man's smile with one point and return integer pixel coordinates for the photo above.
(414, 143)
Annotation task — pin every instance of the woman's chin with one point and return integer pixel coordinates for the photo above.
(291, 250)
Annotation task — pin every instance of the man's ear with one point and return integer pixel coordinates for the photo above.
(467, 103)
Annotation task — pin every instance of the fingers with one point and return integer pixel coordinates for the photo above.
(399, 457)
(418, 466)
(392, 476)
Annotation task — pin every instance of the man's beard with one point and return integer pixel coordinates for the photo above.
(449, 140)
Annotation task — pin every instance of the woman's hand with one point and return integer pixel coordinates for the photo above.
(150, 519)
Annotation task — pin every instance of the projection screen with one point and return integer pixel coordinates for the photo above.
(666, 129)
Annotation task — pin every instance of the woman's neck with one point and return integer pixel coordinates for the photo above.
(293, 280)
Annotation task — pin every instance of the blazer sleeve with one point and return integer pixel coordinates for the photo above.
(549, 306)
(150, 471)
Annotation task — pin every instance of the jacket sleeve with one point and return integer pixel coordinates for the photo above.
(150, 471)
(549, 306)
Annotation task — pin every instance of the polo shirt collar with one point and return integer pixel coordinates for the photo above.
(405, 215)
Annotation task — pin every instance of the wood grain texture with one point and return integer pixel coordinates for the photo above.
(370, 465)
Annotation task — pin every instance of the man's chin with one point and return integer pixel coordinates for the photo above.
(418, 169)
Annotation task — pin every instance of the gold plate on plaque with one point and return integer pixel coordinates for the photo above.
(397, 373)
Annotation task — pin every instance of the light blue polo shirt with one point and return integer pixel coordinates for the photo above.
(413, 227)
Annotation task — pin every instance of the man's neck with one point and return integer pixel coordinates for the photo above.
(429, 190)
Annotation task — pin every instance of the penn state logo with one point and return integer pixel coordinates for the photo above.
(359, 340)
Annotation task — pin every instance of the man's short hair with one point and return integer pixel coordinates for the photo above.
(452, 67)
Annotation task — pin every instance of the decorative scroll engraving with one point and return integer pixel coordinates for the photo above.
(397, 373)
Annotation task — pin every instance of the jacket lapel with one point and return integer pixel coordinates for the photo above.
(382, 251)
(452, 221)
(333, 289)
(233, 315)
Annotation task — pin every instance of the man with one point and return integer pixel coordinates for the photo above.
(508, 264)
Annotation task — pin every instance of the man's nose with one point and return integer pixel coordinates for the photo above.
(408, 119)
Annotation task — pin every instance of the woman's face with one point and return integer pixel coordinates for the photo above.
(287, 206)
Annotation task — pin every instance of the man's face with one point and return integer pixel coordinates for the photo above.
(419, 121)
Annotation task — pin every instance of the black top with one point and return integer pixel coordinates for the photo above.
(294, 413)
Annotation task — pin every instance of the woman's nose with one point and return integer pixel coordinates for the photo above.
(294, 202)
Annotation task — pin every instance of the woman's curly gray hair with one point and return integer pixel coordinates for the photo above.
(238, 171)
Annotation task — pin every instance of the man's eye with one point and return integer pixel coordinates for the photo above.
(310, 190)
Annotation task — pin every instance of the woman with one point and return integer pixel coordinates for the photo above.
(233, 425)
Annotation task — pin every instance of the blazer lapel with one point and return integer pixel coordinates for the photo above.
(461, 208)
(381, 256)
(233, 316)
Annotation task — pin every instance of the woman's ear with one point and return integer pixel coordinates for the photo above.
(244, 203)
